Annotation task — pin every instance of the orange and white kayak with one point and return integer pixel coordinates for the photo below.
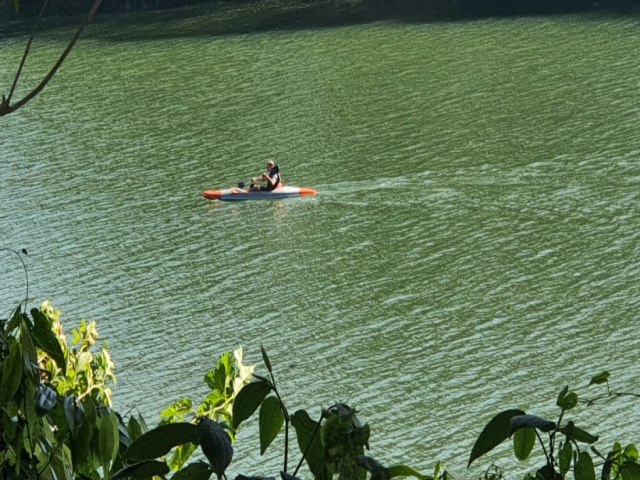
(237, 194)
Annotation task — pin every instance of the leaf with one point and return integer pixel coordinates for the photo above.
(531, 421)
(494, 433)
(181, 454)
(569, 401)
(271, 420)
(574, 433)
(599, 379)
(308, 436)
(630, 471)
(108, 439)
(134, 428)
(194, 471)
(566, 453)
(144, 469)
(216, 445)
(523, 442)
(248, 400)
(10, 373)
(630, 453)
(405, 471)
(561, 395)
(159, 441)
(265, 358)
(583, 469)
(46, 340)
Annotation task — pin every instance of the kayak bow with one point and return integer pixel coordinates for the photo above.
(237, 194)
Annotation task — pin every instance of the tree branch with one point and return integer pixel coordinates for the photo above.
(5, 106)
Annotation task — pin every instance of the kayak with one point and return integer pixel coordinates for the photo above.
(237, 194)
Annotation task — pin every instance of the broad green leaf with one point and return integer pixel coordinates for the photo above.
(405, 471)
(248, 400)
(265, 358)
(574, 433)
(599, 379)
(631, 452)
(566, 454)
(531, 421)
(271, 420)
(584, 467)
(46, 340)
(159, 441)
(10, 373)
(216, 445)
(523, 442)
(630, 471)
(308, 435)
(82, 454)
(194, 471)
(145, 469)
(494, 433)
(108, 437)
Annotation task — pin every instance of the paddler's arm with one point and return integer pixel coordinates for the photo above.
(261, 178)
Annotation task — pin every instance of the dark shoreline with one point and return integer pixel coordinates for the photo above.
(226, 18)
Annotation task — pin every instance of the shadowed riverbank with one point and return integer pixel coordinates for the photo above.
(231, 18)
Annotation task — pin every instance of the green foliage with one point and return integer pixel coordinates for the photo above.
(56, 421)
(618, 464)
(49, 400)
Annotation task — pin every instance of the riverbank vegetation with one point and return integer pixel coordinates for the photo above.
(309, 12)
(57, 422)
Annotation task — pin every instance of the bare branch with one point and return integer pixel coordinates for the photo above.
(5, 107)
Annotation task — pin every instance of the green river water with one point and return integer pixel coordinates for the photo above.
(474, 245)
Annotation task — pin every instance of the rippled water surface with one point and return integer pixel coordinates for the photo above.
(474, 245)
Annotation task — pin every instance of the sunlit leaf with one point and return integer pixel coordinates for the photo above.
(494, 433)
(523, 442)
(271, 420)
(630, 453)
(248, 400)
(159, 441)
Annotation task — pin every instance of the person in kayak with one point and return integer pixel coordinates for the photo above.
(271, 176)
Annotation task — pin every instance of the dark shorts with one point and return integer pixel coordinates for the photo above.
(264, 189)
